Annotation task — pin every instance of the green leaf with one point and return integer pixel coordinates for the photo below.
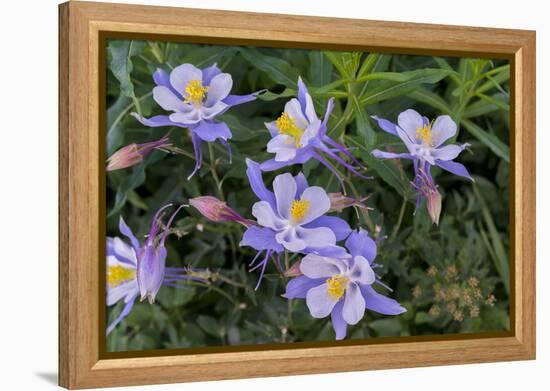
(498, 147)
(275, 68)
(386, 169)
(120, 56)
(483, 107)
(210, 325)
(320, 68)
(129, 183)
(269, 96)
(345, 62)
(430, 98)
(206, 56)
(389, 89)
(495, 247)
(503, 105)
(364, 127)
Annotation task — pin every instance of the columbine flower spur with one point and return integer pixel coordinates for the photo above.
(424, 141)
(195, 97)
(342, 286)
(292, 217)
(299, 135)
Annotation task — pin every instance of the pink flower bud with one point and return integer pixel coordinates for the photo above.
(123, 158)
(294, 270)
(217, 211)
(133, 154)
(339, 202)
(433, 203)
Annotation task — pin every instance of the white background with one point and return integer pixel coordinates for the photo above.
(28, 157)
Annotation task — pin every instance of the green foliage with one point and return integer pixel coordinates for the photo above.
(432, 269)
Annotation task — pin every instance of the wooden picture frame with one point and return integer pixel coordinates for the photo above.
(81, 168)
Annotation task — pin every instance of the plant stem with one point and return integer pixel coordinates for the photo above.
(213, 171)
(399, 220)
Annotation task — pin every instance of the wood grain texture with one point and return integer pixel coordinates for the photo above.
(80, 167)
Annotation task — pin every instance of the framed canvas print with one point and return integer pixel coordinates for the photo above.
(247, 195)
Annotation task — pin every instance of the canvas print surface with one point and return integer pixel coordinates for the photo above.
(275, 196)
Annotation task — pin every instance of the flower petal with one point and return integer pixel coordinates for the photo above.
(234, 100)
(126, 231)
(319, 203)
(374, 301)
(209, 112)
(339, 226)
(293, 109)
(211, 131)
(156, 121)
(338, 323)
(319, 302)
(283, 147)
(360, 243)
(260, 239)
(455, 168)
(125, 311)
(310, 110)
(315, 266)
(209, 73)
(289, 239)
(443, 129)
(182, 75)
(448, 152)
(254, 174)
(311, 132)
(284, 187)
(301, 184)
(122, 251)
(354, 304)
(390, 155)
(297, 287)
(386, 125)
(361, 272)
(266, 217)
(410, 121)
(272, 127)
(219, 88)
(316, 237)
(168, 101)
(189, 118)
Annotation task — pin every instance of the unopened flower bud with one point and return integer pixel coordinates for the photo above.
(215, 210)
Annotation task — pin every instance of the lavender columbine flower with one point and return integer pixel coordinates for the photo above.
(299, 135)
(195, 97)
(292, 218)
(134, 270)
(151, 256)
(217, 211)
(133, 154)
(424, 141)
(342, 287)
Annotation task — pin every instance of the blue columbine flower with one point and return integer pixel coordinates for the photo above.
(195, 97)
(342, 286)
(292, 217)
(424, 141)
(139, 270)
(299, 135)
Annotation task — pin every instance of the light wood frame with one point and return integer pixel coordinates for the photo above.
(81, 166)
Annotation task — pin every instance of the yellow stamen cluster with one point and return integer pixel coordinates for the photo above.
(424, 134)
(299, 209)
(337, 286)
(117, 275)
(196, 92)
(286, 125)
